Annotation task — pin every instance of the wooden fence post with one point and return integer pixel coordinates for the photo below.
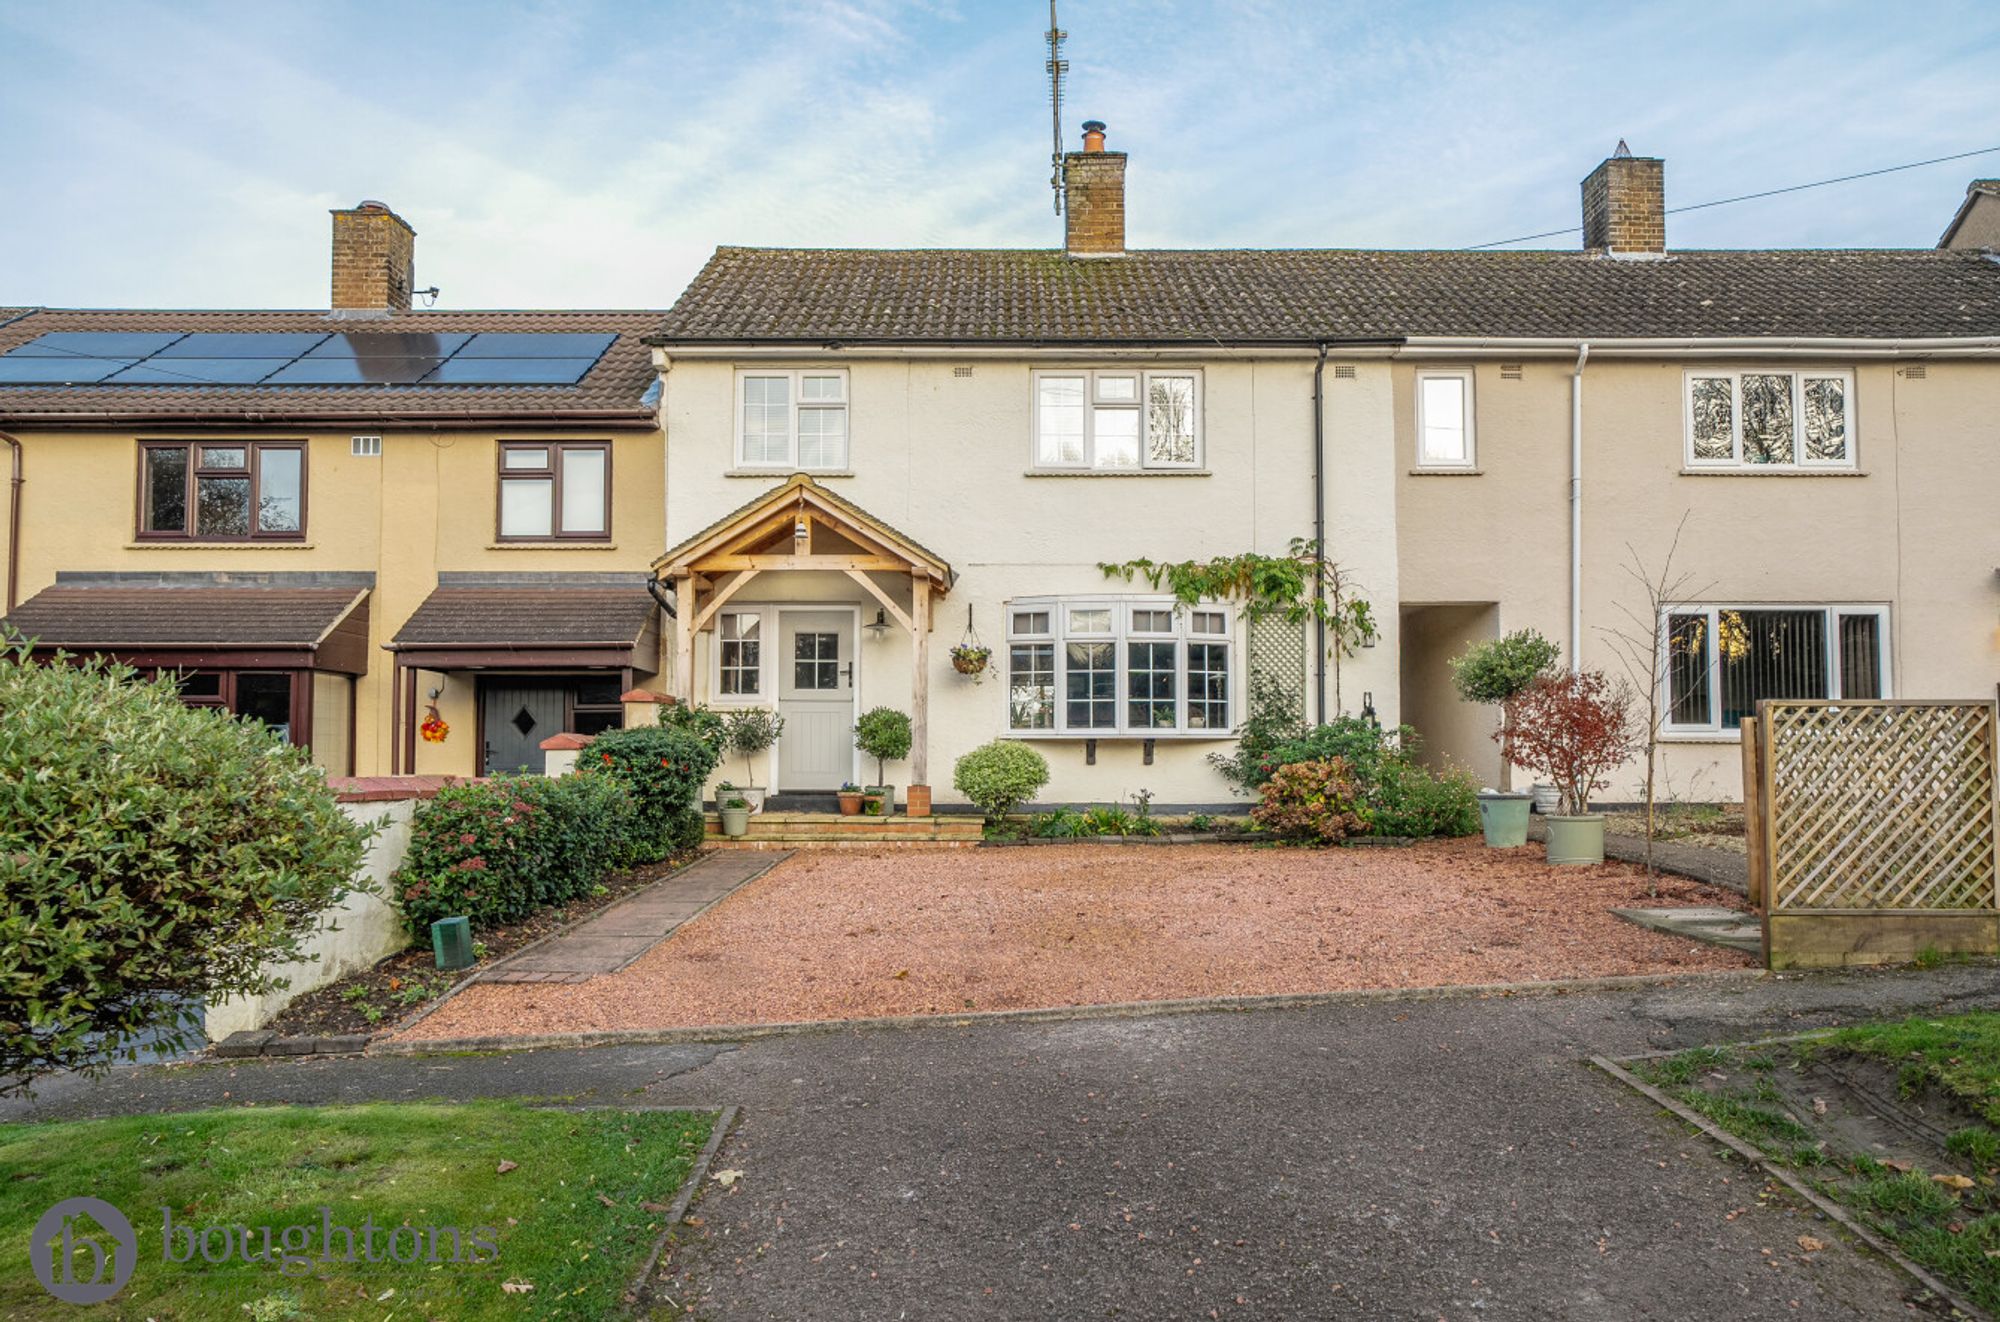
(1754, 809)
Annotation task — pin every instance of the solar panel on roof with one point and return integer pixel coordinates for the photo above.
(463, 371)
(242, 344)
(370, 371)
(522, 344)
(128, 345)
(386, 344)
(164, 371)
(18, 371)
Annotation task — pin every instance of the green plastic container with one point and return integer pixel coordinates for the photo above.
(1576, 841)
(1504, 819)
(451, 942)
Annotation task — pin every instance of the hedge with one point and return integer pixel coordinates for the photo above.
(663, 769)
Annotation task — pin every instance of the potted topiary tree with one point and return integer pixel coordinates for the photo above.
(882, 733)
(1576, 729)
(1492, 673)
(751, 731)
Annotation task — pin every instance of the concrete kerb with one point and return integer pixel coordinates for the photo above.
(1833, 1211)
(1049, 1014)
(637, 1292)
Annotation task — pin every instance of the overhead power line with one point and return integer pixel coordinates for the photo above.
(1751, 197)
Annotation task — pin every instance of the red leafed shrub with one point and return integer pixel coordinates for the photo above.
(1576, 730)
(1314, 802)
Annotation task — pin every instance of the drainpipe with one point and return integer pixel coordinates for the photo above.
(13, 522)
(1319, 537)
(1576, 509)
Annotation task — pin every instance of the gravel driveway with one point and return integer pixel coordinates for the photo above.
(840, 934)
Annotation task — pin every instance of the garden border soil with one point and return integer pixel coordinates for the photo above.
(1832, 1210)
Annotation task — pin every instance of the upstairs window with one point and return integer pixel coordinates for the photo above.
(1117, 421)
(792, 420)
(233, 491)
(1102, 667)
(1444, 419)
(1721, 660)
(555, 491)
(1760, 419)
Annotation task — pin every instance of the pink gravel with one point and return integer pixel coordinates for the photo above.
(845, 934)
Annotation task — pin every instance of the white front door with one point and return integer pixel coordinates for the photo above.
(816, 698)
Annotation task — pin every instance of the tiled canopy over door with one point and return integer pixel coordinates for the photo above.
(519, 715)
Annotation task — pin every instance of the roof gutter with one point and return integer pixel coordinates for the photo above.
(101, 420)
(1434, 346)
(984, 348)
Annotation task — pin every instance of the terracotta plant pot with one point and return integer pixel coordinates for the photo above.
(1504, 818)
(1576, 842)
(850, 803)
(917, 803)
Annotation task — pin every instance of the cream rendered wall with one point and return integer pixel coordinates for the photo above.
(946, 459)
(1913, 527)
(426, 505)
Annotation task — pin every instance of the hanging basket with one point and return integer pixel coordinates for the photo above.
(434, 730)
(971, 656)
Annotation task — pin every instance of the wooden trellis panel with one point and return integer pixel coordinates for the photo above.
(1882, 821)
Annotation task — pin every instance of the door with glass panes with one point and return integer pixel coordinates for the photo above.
(816, 698)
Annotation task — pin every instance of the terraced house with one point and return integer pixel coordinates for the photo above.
(338, 522)
(835, 465)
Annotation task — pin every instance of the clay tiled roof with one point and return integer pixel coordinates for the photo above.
(104, 618)
(612, 392)
(1239, 296)
(529, 616)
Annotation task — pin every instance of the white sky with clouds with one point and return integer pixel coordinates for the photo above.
(591, 155)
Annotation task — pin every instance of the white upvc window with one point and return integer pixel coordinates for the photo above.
(1444, 418)
(1098, 667)
(792, 420)
(1765, 418)
(1117, 420)
(739, 655)
(1722, 659)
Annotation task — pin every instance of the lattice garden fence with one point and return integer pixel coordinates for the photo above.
(1874, 828)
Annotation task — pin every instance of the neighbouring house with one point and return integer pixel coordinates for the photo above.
(338, 521)
(926, 446)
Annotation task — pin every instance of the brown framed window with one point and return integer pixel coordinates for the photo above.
(595, 705)
(555, 490)
(223, 491)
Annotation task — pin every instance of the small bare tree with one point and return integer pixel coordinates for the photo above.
(1644, 644)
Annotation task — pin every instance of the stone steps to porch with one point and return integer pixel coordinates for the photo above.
(792, 829)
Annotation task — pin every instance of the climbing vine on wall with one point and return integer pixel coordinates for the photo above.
(1297, 587)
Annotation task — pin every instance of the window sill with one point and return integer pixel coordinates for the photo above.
(1120, 736)
(1701, 737)
(164, 544)
(781, 472)
(551, 546)
(1773, 472)
(1447, 472)
(1118, 472)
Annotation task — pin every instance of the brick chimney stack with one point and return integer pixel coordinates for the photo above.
(374, 260)
(1625, 204)
(1094, 197)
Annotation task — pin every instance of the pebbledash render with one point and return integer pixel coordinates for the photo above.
(872, 456)
(823, 470)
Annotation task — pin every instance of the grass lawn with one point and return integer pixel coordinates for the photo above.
(569, 1217)
(1941, 1207)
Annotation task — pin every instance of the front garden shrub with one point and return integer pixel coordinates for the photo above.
(1273, 720)
(1410, 800)
(1311, 803)
(1363, 745)
(883, 733)
(152, 856)
(704, 723)
(663, 769)
(496, 851)
(1000, 776)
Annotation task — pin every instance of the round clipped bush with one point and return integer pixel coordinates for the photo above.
(152, 856)
(663, 769)
(704, 723)
(883, 733)
(497, 850)
(1000, 776)
(1312, 803)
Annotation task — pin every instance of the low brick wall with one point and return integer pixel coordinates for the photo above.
(364, 927)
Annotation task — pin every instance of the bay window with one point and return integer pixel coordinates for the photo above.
(1124, 420)
(1141, 667)
(1721, 660)
(236, 491)
(555, 490)
(1764, 419)
(792, 420)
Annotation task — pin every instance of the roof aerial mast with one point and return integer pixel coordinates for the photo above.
(1057, 66)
